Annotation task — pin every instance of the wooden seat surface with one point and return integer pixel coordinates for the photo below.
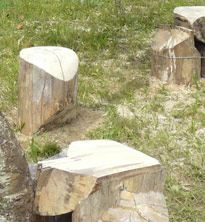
(100, 158)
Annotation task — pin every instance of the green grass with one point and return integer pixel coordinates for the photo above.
(41, 151)
(113, 44)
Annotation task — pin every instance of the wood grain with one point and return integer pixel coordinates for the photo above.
(94, 177)
(43, 95)
(174, 56)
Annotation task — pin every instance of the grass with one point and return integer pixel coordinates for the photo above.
(113, 44)
(39, 150)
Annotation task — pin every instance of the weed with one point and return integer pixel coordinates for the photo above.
(20, 126)
(193, 127)
(163, 90)
(34, 150)
(37, 150)
(50, 149)
(156, 104)
(196, 81)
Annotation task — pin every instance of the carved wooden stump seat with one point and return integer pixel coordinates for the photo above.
(101, 181)
(47, 86)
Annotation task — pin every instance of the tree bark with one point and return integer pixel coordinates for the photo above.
(16, 189)
(191, 17)
(174, 56)
(47, 87)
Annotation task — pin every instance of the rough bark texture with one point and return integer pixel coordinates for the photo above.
(191, 17)
(94, 180)
(16, 191)
(42, 97)
(201, 48)
(175, 58)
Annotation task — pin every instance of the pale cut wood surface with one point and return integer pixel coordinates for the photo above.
(56, 187)
(174, 56)
(59, 62)
(192, 17)
(100, 158)
(47, 87)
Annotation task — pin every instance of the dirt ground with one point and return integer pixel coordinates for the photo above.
(86, 120)
(89, 119)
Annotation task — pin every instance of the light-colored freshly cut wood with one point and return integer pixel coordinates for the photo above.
(63, 191)
(174, 56)
(47, 86)
(191, 17)
(201, 48)
(95, 177)
(100, 158)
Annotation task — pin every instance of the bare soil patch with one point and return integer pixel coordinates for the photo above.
(86, 120)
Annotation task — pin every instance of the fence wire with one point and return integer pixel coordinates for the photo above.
(180, 57)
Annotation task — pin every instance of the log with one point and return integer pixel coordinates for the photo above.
(201, 48)
(16, 188)
(191, 17)
(96, 178)
(47, 87)
(174, 57)
(149, 206)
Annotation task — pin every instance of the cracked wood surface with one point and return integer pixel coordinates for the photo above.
(59, 192)
(90, 180)
(59, 62)
(141, 207)
(174, 56)
(101, 158)
(47, 87)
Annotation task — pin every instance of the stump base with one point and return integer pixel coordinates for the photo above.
(102, 181)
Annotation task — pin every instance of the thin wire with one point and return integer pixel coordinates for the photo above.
(180, 57)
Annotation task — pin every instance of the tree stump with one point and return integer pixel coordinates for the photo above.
(47, 87)
(201, 48)
(16, 189)
(174, 56)
(101, 180)
(191, 17)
